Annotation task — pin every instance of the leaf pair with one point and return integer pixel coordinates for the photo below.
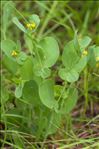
(46, 93)
(33, 93)
(8, 47)
(33, 18)
(46, 55)
(72, 59)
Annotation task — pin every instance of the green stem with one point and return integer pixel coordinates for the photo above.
(62, 92)
(37, 53)
(35, 50)
(49, 125)
(68, 122)
(86, 88)
(47, 18)
(19, 13)
(85, 24)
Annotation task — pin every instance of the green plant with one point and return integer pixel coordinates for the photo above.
(38, 102)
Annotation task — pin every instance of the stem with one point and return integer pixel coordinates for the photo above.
(86, 89)
(68, 123)
(85, 24)
(62, 92)
(50, 122)
(47, 18)
(70, 20)
(4, 35)
(19, 13)
(36, 51)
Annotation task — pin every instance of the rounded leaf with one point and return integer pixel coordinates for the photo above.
(70, 57)
(7, 47)
(84, 42)
(10, 65)
(50, 50)
(81, 64)
(30, 92)
(18, 90)
(70, 101)
(55, 122)
(70, 76)
(35, 18)
(46, 93)
(44, 72)
(26, 70)
(21, 58)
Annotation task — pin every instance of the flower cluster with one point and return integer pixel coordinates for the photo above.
(85, 53)
(31, 26)
(14, 53)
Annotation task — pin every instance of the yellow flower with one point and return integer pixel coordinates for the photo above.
(85, 53)
(28, 25)
(97, 58)
(31, 26)
(14, 53)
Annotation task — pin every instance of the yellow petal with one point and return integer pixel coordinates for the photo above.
(85, 52)
(14, 53)
(33, 25)
(97, 58)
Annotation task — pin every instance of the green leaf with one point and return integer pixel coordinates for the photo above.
(30, 92)
(29, 43)
(46, 93)
(18, 90)
(73, 74)
(84, 42)
(93, 54)
(46, 72)
(70, 101)
(10, 65)
(4, 94)
(50, 49)
(69, 56)
(7, 14)
(21, 58)
(70, 76)
(35, 18)
(38, 59)
(76, 44)
(46, 55)
(42, 72)
(8, 46)
(54, 123)
(72, 61)
(96, 51)
(18, 24)
(26, 70)
(81, 64)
